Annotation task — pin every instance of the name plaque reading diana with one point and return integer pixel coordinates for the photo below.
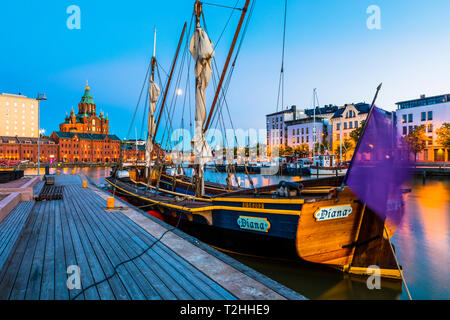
(253, 224)
(329, 213)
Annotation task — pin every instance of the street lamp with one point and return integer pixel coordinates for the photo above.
(39, 99)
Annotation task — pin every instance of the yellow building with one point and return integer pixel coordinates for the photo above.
(19, 116)
(344, 121)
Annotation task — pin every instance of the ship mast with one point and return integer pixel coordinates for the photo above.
(202, 51)
(153, 93)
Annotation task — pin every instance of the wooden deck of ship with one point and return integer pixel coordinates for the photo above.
(78, 231)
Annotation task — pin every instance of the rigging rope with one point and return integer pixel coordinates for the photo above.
(281, 80)
(139, 100)
(222, 6)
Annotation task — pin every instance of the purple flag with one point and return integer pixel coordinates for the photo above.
(379, 168)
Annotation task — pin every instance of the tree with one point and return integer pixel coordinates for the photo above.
(357, 132)
(416, 140)
(302, 150)
(288, 151)
(443, 135)
(321, 147)
(347, 146)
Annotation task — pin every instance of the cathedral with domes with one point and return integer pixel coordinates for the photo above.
(86, 120)
(84, 136)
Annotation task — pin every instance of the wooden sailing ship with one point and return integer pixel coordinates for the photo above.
(319, 221)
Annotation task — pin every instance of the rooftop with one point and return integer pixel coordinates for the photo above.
(423, 101)
(86, 136)
(25, 140)
(360, 107)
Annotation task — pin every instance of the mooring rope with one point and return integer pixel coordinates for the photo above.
(398, 265)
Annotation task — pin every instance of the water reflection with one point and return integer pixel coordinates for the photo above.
(97, 174)
(423, 239)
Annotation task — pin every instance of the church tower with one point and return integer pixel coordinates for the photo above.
(86, 121)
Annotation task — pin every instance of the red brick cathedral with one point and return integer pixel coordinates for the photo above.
(84, 137)
(86, 120)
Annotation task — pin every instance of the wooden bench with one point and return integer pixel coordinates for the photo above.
(11, 227)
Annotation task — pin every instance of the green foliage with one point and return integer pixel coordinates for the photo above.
(417, 140)
(302, 150)
(443, 135)
(347, 146)
(288, 151)
(354, 135)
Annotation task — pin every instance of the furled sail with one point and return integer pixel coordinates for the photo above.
(202, 52)
(153, 92)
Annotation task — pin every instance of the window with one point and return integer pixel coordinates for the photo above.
(423, 116)
(404, 118)
(411, 128)
(345, 125)
(410, 117)
(356, 124)
(307, 130)
(405, 130)
(338, 126)
(430, 127)
(430, 115)
(350, 125)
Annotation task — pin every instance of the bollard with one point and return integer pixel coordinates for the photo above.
(73, 172)
(57, 172)
(85, 184)
(110, 203)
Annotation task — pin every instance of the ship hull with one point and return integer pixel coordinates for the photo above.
(288, 228)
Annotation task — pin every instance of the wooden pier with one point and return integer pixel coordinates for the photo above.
(39, 241)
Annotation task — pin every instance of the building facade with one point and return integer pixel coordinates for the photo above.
(19, 116)
(84, 137)
(87, 147)
(26, 149)
(306, 131)
(276, 128)
(346, 119)
(86, 120)
(431, 112)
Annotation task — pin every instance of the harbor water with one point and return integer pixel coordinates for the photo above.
(422, 244)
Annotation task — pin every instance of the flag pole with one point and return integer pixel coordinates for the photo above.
(363, 130)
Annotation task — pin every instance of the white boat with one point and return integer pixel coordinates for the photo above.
(326, 165)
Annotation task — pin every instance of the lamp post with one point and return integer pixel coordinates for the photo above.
(39, 99)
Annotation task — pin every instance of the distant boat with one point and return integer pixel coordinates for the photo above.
(325, 165)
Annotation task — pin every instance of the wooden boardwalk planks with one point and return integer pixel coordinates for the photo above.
(78, 231)
(11, 227)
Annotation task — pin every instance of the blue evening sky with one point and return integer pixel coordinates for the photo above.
(328, 47)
